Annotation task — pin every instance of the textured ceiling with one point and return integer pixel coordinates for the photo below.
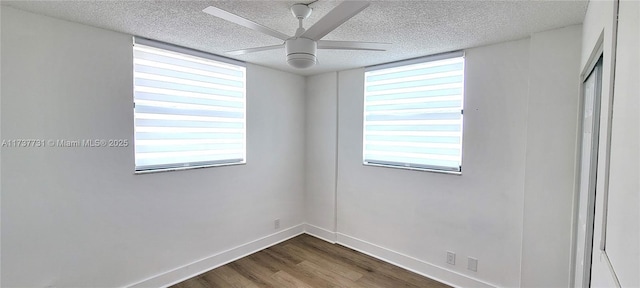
(416, 28)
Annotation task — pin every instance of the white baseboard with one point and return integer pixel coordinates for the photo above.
(321, 233)
(198, 267)
(429, 270)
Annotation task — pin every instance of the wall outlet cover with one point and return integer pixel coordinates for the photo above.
(472, 264)
(451, 258)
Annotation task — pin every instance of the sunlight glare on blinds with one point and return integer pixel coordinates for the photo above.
(189, 111)
(413, 115)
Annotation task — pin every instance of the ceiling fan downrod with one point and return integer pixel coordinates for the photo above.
(301, 52)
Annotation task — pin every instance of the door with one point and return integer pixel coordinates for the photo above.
(592, 88)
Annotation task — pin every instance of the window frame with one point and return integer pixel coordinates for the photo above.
(171, 48)
(414, 166)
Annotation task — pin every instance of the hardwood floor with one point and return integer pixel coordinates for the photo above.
(306, 262)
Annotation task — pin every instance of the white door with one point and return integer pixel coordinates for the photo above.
(588, 167)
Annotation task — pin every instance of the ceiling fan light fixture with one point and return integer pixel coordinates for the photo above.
(301, 52)
(301, 61)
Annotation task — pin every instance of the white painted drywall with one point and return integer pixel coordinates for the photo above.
(623, 220)
(623, 216)
(79, 217)
(321, 151)
(422, 214)
(0, 148)
(482, 213)
(554, 90)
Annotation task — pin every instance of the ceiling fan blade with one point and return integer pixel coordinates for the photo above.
(334, 18)
(353, 45)
(244, 22)
(257, 49)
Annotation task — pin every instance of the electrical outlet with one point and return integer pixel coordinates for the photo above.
(472, 264)
(451, 258)
(276, 224)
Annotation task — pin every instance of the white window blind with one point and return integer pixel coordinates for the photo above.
(413, 113)
(189, 108)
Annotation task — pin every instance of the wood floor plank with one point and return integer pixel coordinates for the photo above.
(211, 280)
(274, 263)
(308, 262)
(363, 263)
(234, 278)
(289, 266)
(261, 258)
(383, 270)
(325, 262)
(368, 268)
(288, 281)
(196, 282)
(253, 271)
(326, 274)
(283, 250)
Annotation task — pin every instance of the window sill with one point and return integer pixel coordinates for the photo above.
(414, 169)
(153, 171)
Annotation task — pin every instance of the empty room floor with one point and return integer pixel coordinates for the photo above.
(305, 261)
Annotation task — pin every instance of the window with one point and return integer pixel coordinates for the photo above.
(189, 108)
(413, 113)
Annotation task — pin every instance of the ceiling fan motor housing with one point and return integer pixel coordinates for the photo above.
(301, 52)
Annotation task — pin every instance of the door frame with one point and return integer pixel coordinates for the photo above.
(596, 56)
(590, 193)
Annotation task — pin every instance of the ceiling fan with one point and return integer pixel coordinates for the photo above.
(301, 48)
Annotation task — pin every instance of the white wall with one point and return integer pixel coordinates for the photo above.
(412, 218)
(424, 214)
(321, 138)
(0, 150)
(623, 218)
(554, 87)
(79, 217)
